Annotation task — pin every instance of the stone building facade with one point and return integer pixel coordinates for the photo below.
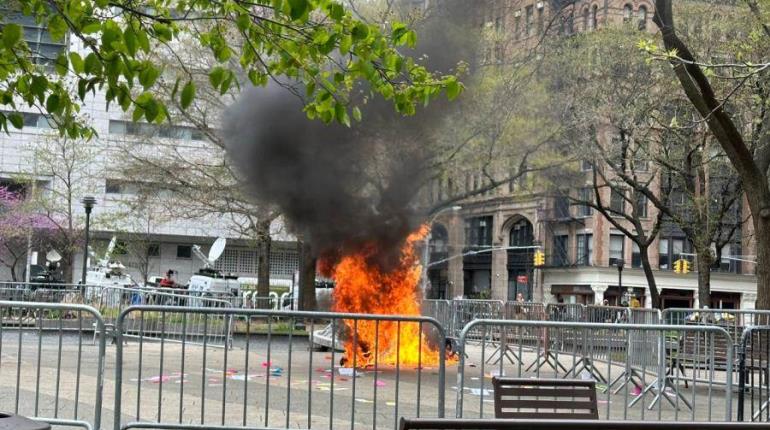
(486, 248)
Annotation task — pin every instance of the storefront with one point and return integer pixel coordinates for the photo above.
(581, 294)
(671, 298)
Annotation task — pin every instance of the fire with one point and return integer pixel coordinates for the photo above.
(362, 288)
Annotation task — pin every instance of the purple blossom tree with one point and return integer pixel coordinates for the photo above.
(20, 226)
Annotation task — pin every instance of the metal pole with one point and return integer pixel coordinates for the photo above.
(88, 204)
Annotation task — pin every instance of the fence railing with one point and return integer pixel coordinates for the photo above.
(754, 382)
(50, 371)
(639, 367)
(272, 378)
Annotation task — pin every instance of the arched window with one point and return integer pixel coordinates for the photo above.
(642, 15)
(595, 17)
(627, 13)
(586, 15)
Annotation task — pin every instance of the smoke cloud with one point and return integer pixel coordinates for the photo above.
(344, 189)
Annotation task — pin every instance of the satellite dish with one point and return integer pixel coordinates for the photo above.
(110, 247)
(217, 249)
(53, 256)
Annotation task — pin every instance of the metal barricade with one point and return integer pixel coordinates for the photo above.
(47, 371)
(754, 371)
(272, 377)
(111, 301)
(441, 311)
(466, 310)
(524, 311)
(662, 394)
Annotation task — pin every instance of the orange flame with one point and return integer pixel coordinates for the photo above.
(362, 288)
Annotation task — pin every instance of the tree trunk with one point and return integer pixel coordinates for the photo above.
(264, 244)
(650, 275)
(307, 271)
(705, 259)
(762, 237)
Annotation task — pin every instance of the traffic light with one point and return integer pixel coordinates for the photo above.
(682, 266)
(539, 258)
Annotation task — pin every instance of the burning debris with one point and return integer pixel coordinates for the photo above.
(350, 191)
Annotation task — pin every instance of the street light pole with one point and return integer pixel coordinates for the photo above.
(426, 247)
(88, 203)
(620, 263)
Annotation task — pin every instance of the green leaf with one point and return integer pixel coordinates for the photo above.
(11, 36)
(148, 75)
(188, 94)
(216, 75)
(77, 62)
(17, 120)
(131, 41)
(52, 104)
(336, 11)
(453, 89)
(92, 64)
(357, 114)
(62, 65)
(92, 27)
(298, 8)
(360, 31)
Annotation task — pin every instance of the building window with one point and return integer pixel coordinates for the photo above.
(670, 250)
(130, 128)
(284, 263)
(499, 52)
(560, 254)
(586, 20)
(585, 195)
(642, 15)
(540, 20)
(113, 186)
(584, 249)
(33, 120)
(498, 24)
(184, 251)
(153, 250)
(663, 260)
(595, 17)
(571, 23)
(586, 165)
(617, 248)
(478, 231)
(641, 205)
(727, 262)
(561, 207)
(636, 256)
(528, 23)
(627, 13)
(617, 202)
(517, 26)
(43, 48)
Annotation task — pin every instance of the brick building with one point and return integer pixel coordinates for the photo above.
(471, 247)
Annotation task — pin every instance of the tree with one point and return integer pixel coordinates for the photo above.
(623, 121)
(69, 167)
(747, 148)
(193, 178)
(317, 42)
(20, 230)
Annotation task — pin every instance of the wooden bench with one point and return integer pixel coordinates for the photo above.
(545, 398)
(505, 424)
(705, 350)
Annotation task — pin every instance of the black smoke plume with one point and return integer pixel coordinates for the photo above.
(345, 188)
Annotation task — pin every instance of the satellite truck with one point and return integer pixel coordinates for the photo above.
(209, 281)
(45, 276)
